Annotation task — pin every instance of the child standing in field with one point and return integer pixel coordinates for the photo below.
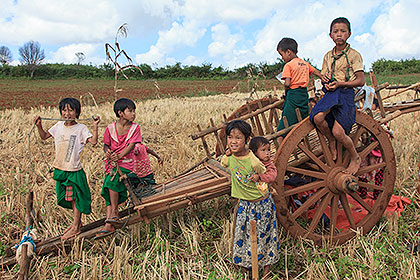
(119, 141)
(70, 137)
(253, 205)
(295, 74)
(335, 114)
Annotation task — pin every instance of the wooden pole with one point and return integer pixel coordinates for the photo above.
(29, 216)
(254, 251)
(26, 262)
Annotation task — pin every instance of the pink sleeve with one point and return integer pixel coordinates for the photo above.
(107, 137)
(286, 72)
(270, 174)
(136, 137)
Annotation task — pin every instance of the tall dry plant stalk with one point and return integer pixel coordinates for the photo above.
(116, 53)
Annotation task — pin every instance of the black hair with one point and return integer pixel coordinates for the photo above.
(340, 20)
(288, 44)
(376, 102)
(122, 104)
(242, 126)
(73, 104)
(257, 142)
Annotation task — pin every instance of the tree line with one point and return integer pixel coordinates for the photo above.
(32, 58)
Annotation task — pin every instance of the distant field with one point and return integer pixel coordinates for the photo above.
(33, 93)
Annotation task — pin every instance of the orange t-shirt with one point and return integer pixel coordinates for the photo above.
(298, 71)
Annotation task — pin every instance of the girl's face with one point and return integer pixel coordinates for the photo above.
(236, 142)
(128, 114)
(263, 152)
(69, 114)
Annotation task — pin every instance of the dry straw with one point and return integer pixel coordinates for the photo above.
(197, 250)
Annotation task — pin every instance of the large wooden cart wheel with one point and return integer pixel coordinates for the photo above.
(327, 195)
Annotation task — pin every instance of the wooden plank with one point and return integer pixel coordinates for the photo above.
(220, 146)
(377, 93)
(254, 127)
(244, 117)
(205, 146)
(268, 128)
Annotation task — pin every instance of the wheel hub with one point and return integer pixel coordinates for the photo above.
(339, 182)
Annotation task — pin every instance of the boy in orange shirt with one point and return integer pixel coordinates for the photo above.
(296, 77)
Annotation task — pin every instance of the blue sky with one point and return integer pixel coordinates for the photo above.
(230, 33)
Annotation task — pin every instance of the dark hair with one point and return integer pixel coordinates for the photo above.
(340, 20)
(122, 104)
(73, 104)
(257, 142)
(242, 126)
(288, 44)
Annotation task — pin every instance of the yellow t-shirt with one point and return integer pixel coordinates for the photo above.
(340, 71)
(241, 170)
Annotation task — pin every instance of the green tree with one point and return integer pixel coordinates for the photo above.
(5, 55)
(31, 55)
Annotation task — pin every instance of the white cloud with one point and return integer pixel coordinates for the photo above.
(192, 60)
(223, 41)
(67, 54)
(397, 31)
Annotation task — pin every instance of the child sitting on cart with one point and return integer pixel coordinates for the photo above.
(335, 114)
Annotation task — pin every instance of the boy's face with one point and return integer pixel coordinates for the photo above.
(340, 33)
(128, 114)
(236, 141)
(68, 113)
(285, 55)
(263, 152)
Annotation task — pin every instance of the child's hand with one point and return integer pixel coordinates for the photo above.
(332, 86)
(255, 178)
(37, 120)
(325, 78)
(228, 152)
(114, 157)
(96, 120)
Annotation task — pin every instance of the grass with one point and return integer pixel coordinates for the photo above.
(198, 247)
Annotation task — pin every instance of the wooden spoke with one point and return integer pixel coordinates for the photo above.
(307, 187)
(319, 212)
(310, 173)
(339, 153)
(347, 210)
(363, 154)
(333, 215)
(360, 200)
(325, 148)
(370, 186)
(356, 136)
(369, 168)
(308, 203)
(313, 157)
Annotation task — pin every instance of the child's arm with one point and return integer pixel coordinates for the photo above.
(153, 153)
(42, 133)
(287, 82)
(116, 157)
(358, 82)
(270, 174)
(94, 139)
(258, 167)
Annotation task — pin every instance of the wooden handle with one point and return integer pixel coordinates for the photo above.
(254, 252)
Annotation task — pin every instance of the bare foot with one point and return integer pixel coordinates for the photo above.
(333, 148)
(70, 234)
(353, 166)
(69, 228)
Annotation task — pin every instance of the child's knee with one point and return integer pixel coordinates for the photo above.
(319, 118)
